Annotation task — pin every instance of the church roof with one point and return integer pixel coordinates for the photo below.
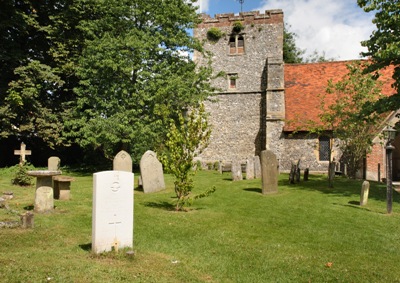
(304, 83)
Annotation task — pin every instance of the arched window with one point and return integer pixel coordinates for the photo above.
(232, 45)
(240, 44)
(236, 44)
(324, 148)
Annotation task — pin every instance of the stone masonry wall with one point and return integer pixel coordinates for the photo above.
(235, 122)
(239, 117)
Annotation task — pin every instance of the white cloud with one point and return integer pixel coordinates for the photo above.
(203, 5)
(334, 27)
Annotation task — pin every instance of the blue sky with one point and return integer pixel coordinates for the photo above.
(335, 27)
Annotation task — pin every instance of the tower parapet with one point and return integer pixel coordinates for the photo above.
(253, 17)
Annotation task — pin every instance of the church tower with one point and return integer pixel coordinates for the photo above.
(249, 113)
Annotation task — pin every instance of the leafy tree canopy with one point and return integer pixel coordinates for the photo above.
(384, 44)
(107, 75)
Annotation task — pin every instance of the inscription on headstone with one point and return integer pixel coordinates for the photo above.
(151, 172)
(269, 172)
(112, 216)
(122, 162)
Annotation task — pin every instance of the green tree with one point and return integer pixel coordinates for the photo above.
(291, 53)
(353, 130)
(186, 139)
(384, 45)
(39, 49)
(133, 75)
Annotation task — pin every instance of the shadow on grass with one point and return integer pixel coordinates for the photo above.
(341, 186)
(86, 247)
(29, 207)
(139, 189)
(161, 205)
(255, 190)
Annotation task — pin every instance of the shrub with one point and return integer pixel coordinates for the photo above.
(214, 34)
(20, 176)
(238, 26)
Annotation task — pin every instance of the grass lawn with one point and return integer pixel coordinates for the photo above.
(305, 233)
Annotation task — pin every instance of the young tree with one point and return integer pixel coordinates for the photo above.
(187, 137)
(349, 125)
(384, 45)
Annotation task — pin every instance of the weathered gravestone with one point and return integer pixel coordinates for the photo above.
(306, 173)
(236, 171)
(151, 172)
(122, 162)
(27, 220)
(364, 193)
(269, 172)
(53, 163)
(257, 167)
(44, 199)
(112, 215)
(250, 168)
(22, 152)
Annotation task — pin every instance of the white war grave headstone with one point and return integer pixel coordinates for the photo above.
(112, 215)
(122, 162)
(22, 152)
(151, 172)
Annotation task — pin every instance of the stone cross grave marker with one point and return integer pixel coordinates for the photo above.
(53, 163)
(22, 152)
(122, 162)
(112, 215)
(236, 171)
(269, 172)
(250, 168)
(151, 172)
(364, 193)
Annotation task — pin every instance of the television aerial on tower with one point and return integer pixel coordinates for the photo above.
(241, 4)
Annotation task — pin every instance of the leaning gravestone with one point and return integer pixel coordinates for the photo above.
(53, 163)
(112, 216)
(269, 172)
(364, 193)
(44, 201)
(236, 171)
(151, 172)
(122, 162)
(257, 167)
(250, 168)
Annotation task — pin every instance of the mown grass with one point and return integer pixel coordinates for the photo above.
(305, 233)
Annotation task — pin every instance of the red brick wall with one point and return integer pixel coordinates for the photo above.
(373, 159)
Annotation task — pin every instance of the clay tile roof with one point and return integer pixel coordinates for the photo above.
(305, 82)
